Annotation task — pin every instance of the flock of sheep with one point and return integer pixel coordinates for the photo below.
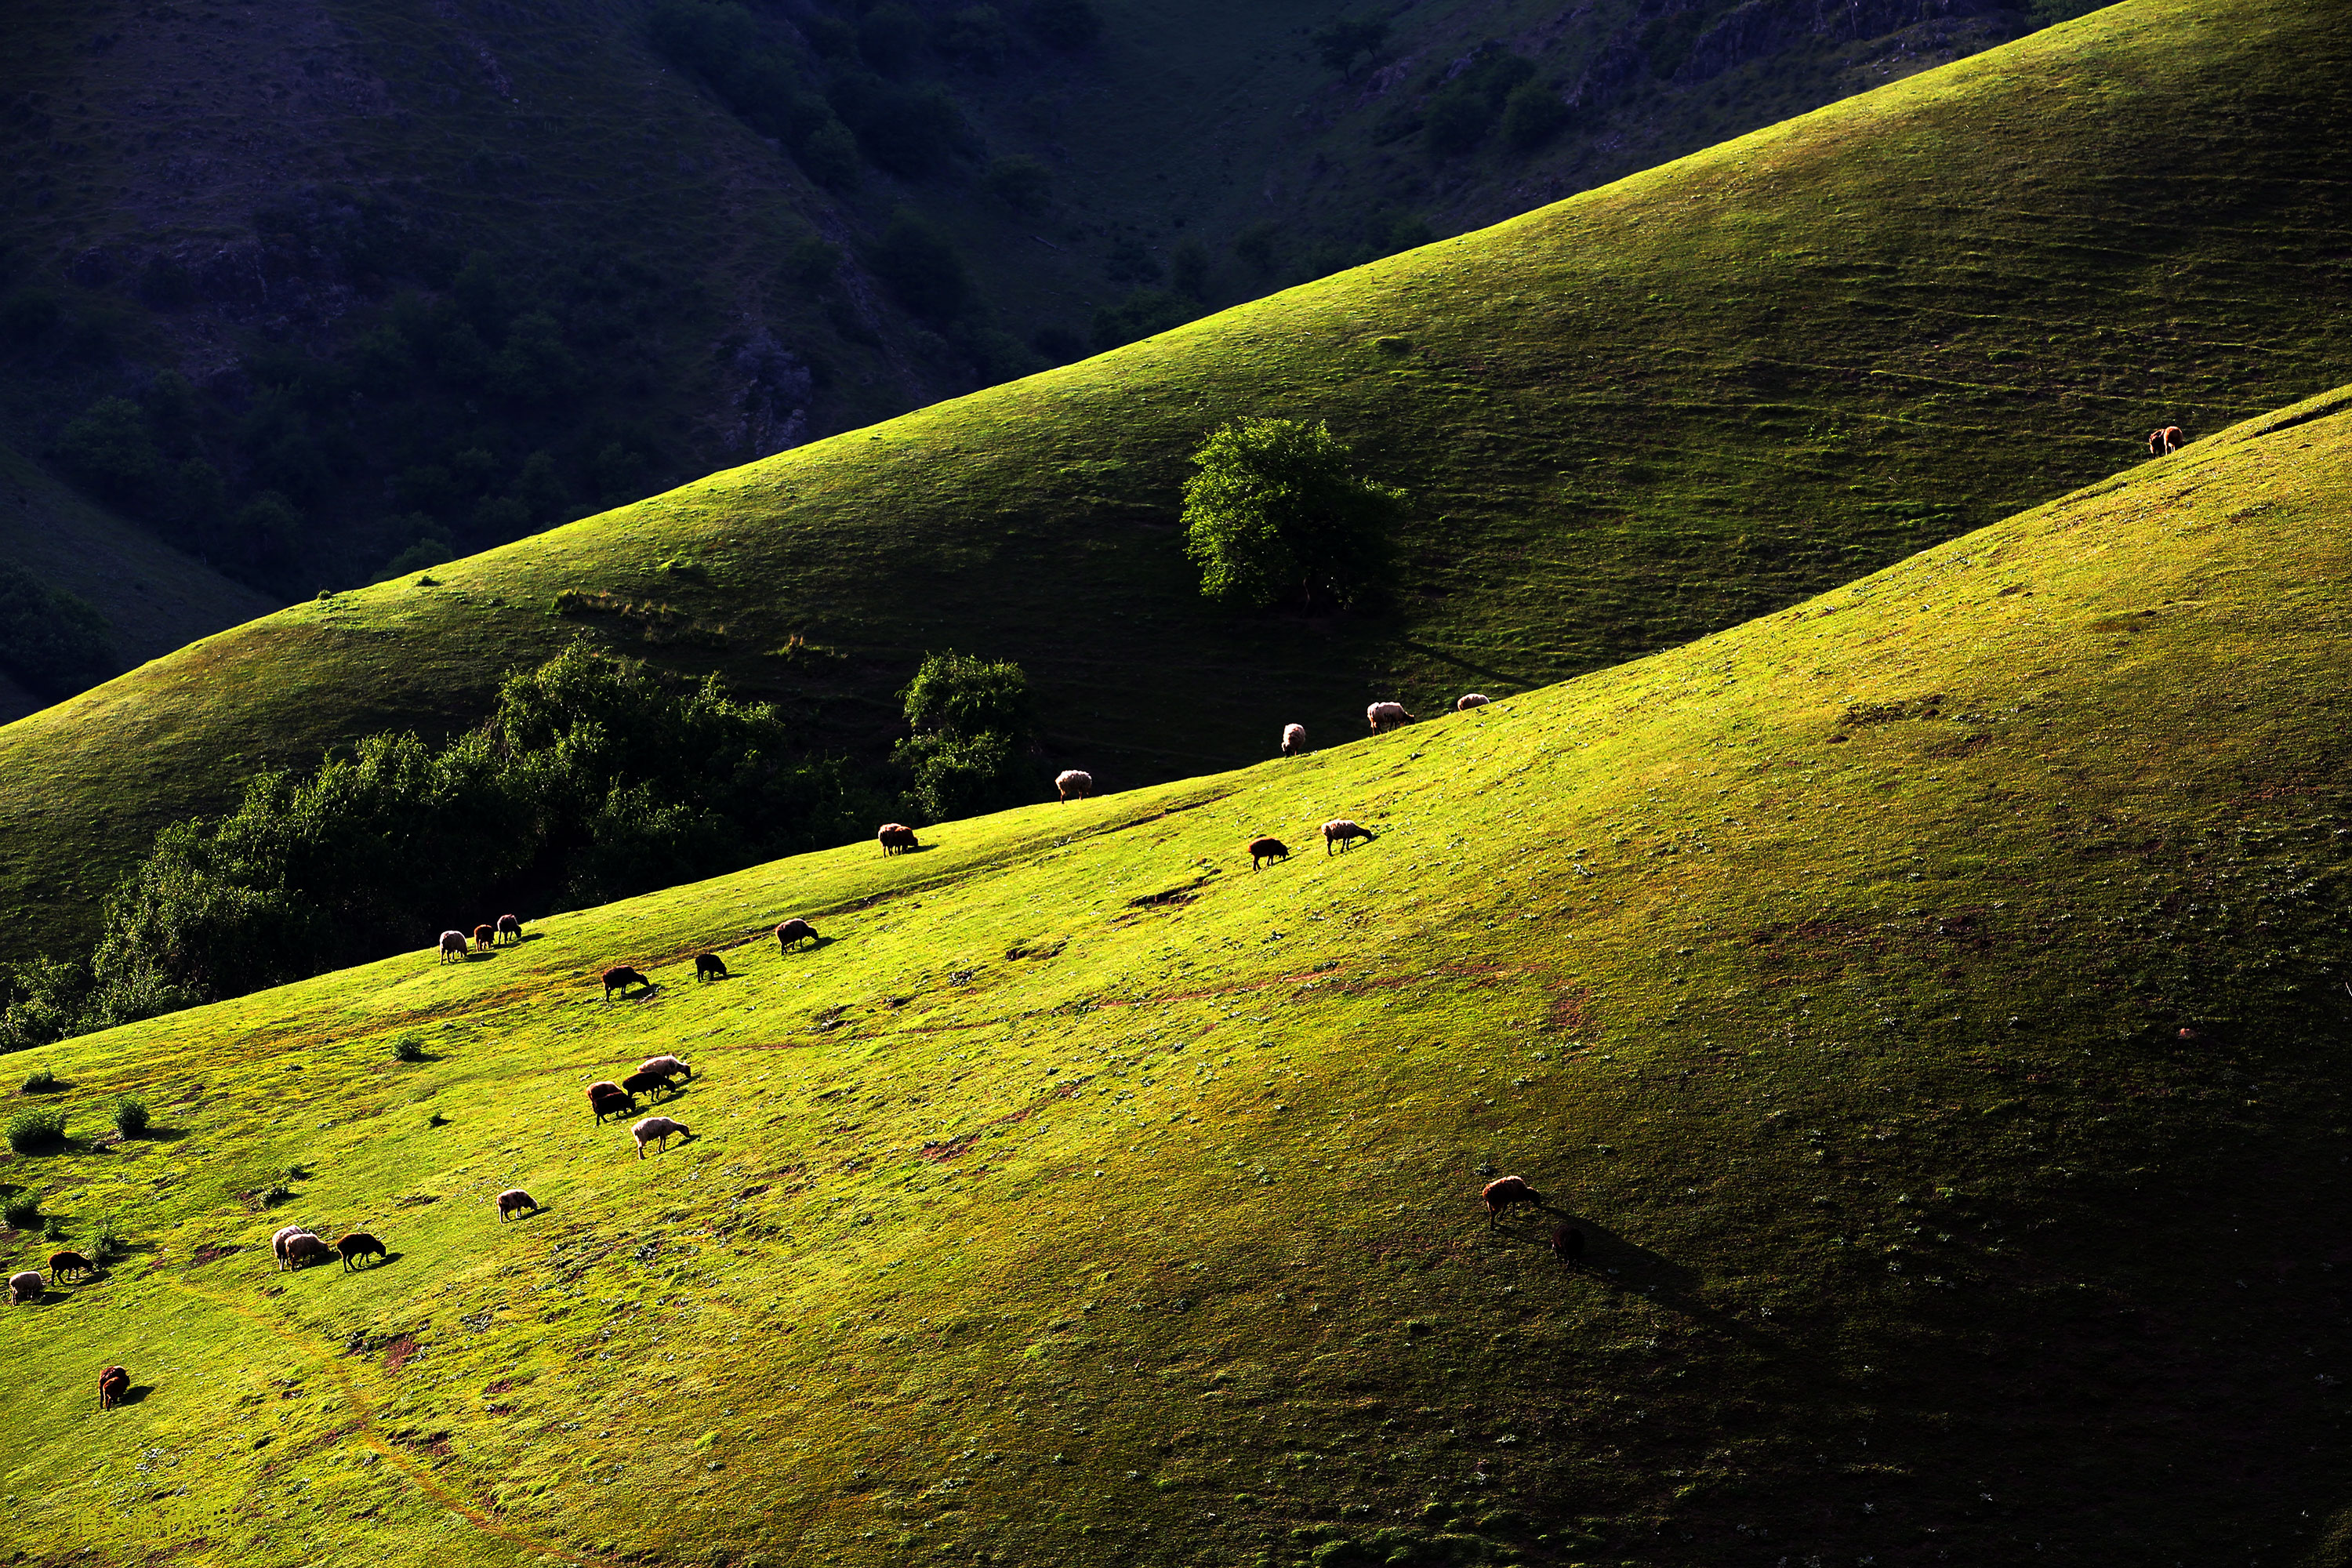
(297, 1248)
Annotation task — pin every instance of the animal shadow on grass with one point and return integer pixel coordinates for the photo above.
(135, 1395)
(1626, 1268)
(481, 955)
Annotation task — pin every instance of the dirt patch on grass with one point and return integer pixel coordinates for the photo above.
(399, 1352)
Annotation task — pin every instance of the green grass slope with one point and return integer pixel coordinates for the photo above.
(1640, 415)
(1927, 1000)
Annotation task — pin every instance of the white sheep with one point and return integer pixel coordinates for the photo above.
(1294, 739)
(1340, 832)
(1072, 784)
(1380, 715)
(1474, 700)
(453, 947)
(513, 1201)
(657, 1131)
(665, 1066)
(285, 1234)
(26, 1287)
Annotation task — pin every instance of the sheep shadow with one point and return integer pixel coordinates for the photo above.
(135, 1395)
(481, 955)
(386, 1261)
(634, 997)
(1618, 1264)
(813, 944)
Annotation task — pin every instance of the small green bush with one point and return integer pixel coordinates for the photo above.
(22, 1213)
(408, 1048)
(106, 1243)
(41, 1082)
(36, 1132)
(131, 1116)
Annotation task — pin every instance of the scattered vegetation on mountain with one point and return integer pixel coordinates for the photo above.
(1277, 515)
(53, 643)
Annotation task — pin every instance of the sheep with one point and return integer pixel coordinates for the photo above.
(2164, 442)
(64, 1263)
(1473, 700)
(638, 1083)
(610, 1099)
(482, 938)
(1342, 832)
(284, 1234)
(513, 1201)
(1072, 784)
(1380, 715)
(1267, 850)
(1567, 1246)
(896, 838)
(1294, 740)
(657, 1131)
(620, 977)
(453, 947)
(509, 926)
(305, 1249)
(1503, 1192)
(359, 1244)
(708, 966)
(667, 1067)
(26, 1287)
(113, 1383)
(794, 930)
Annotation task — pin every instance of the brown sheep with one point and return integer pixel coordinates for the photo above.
(509, 927)
(620, 977)
(1294, 740)
(1071, 785)
(453, 947)
(610, 1099)
(513, 1201)
(113, 1383)
(1567, 1246)
(1505, 1190)
(1342, 832)
(1267, 850)
(2163, 443)
(1474, 700)
(304, 1248)
(26, 1286)
(897, 838)
(793, 932)
(482, 938)
(1380, 715)
(285, 1234)
(708, 966)
(64, 1263)
(357, 1244)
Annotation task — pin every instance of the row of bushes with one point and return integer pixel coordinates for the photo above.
(51, 643)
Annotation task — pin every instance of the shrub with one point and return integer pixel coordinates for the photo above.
(1455, 122)
(1532, 116)
(53, 642)
(1019, 181)
(1339, 43)
(27, 315)
(974, 720)
(131, 1116)
(909, 132)
(889, 35)
(1143, 314)
(829, 154)
(1188, 269)
(22, 1211)
(922, 268)
(1276, 514)
(976, 36)
(110, 449)
(1057, 345)
(965, 776)
(811, 264)
(1259, 245)
(270, 525)
(41, 1131)
(106, 1244)
(408, 1048)
(44, 1082)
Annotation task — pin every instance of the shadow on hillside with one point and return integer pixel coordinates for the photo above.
(482, 956)
(1623, 1267)
(135, 1395)
(1487, 673)
(386, 1261)
(152, 1134)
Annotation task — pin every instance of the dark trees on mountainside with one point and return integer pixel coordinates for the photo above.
(1276, 515)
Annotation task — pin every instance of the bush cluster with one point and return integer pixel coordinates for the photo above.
(1276, 515)
(52, 643)
(976, 727)
(36, 1132)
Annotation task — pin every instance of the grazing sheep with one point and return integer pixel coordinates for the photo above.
(64, 1263)
(657, 1131)
(667, 1066)
(113, 1383)
(453, 947)
(26, 1287)
(1265, 849)
(513, 1201)
(643, 1083)
(1567, 1246)
(708, 966)
(2163, 443)
(508, 927)
(306, 1248)
(620, 977)
(896, 838)
(1072, 784)
(1294, 740)
(1380, 715)
(1503, 1192)
(482, 938)
(285, 1234)
(610, 1099)
(794, 930)
(1342, 832)
(359, 1244)
(1474, 700)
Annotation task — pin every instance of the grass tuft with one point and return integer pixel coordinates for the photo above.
(131, 1116)
(42, 1082)
(408, 1048)
(22, 1213)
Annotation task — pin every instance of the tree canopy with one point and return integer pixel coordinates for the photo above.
(1276, 514)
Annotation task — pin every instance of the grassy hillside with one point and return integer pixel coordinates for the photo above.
(1927, 1000)
(1629, 418)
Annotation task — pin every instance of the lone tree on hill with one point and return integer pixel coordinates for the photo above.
(1276, 514)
